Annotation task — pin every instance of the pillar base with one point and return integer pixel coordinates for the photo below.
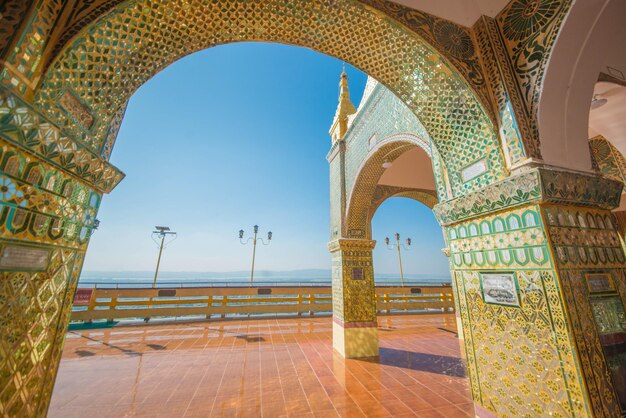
(355, 339)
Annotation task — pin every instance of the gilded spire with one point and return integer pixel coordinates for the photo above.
(345, 108)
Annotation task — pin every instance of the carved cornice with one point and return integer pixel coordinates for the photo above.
(538, 185)
(528, 31)
(20, 124)
(351, 245)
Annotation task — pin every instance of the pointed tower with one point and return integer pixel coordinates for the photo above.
(345, 108)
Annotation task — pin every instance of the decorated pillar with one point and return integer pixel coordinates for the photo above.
(355, 330)
(50, 191)
(539, 278)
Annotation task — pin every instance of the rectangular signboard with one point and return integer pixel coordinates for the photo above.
(474, 170)
(82, 297)
(17, 257)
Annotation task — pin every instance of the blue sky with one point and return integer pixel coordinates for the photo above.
(234, 136)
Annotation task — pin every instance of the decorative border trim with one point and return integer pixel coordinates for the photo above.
(538, 185)
(56, 148)
(351, 244)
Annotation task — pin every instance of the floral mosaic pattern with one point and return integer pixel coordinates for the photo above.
(607, 159)
(526, 17)
(528, 29)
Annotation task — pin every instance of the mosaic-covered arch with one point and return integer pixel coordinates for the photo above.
(607, 159)
(384, 192)
(88, 85)
(367, 195)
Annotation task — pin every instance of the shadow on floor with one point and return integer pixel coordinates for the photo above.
(76, 326)
(431, 363)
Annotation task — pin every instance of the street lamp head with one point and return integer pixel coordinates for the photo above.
(162, 228)
(96, 224)
(408, 242)
(269, 236)
(256, 229)
(397, 237)
(386, 240)
(240, 233)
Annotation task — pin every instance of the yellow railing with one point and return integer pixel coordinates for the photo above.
(112, 304)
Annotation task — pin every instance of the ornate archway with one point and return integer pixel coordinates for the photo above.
(63, 95)
(87, 86)
(366, 193)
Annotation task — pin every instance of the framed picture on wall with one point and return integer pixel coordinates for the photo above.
(500, 288)
(600, 283)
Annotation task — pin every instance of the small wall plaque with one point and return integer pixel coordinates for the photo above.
(76, 109)
(265, 291)
(357, 274)
(356, 233)
(25, 258)
(499, 288)
(600, 283)
(167, 293)
(474, 170)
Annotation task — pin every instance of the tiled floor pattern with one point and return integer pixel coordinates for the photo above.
(261, 368)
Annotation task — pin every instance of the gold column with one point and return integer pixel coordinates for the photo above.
(50, 191)
(355, 332)
(539, 277)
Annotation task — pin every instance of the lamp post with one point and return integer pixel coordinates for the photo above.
(254, 239)
(161, 232)
(399, 246)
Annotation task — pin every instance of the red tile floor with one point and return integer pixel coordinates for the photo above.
(261, 368)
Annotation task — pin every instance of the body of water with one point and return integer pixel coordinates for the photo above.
(238, 279)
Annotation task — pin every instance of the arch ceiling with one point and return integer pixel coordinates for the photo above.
(413, 169)
(590, 42)
(610, 119)
(88, 85)
(374, 184)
